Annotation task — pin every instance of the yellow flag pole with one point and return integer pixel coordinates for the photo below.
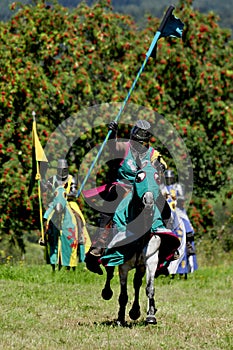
(39, 156)
(38, 177)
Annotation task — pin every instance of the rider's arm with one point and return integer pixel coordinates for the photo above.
(179, 190)
(117, 148)
(73, 188)
(158, 161)
(46, 185)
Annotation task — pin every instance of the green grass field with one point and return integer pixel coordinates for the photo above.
(44, 311)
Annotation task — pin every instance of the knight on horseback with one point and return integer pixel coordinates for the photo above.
(66, 180)
(140, 241)
(132, 154)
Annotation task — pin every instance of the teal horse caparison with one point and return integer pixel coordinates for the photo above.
(62, 231)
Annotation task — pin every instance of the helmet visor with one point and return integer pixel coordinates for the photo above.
(62, 173)
(140, 135)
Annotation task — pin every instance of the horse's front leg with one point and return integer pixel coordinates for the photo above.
(123, 297)
(107, 291)
(137, 282)
(152, 259)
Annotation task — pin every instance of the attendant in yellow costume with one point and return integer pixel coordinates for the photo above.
(66, 181)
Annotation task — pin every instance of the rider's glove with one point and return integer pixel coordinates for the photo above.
(113, 126)
(43, 187)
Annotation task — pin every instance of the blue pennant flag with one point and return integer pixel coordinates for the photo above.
(173, 27)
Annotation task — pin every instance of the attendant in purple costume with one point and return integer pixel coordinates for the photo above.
(180, 223)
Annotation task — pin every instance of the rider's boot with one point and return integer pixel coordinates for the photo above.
(92, 260)
(95, 252)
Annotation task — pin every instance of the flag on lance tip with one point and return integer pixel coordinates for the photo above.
(173, 27)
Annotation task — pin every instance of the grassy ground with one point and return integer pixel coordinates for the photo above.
(41, 310)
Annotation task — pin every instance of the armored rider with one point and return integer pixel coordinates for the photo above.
(132, 154)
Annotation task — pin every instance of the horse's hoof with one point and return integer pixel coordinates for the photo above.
(120, 323)
(107, 294)
(42, 242)
(151, 320)
(134, 314)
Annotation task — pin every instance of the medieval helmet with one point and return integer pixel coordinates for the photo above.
(140, 134)
(62, 169)
(169, 176)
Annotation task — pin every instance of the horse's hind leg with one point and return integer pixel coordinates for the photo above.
(107, 291)
(135, 313)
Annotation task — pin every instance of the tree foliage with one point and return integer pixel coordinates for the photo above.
(55, 62)
(138, 9)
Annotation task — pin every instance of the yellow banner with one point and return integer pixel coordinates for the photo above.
(39, 152)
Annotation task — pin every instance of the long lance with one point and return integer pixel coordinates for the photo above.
(153, 43)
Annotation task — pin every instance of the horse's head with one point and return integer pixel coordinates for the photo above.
(146, 186)
(60, 199)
